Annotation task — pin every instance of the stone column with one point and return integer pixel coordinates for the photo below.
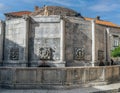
(108, 44)
(93, 42)
(62, 40)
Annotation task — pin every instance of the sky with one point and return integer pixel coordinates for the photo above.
(108, 10)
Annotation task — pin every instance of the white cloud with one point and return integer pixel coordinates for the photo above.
(68, 3)
(1, 16)
(3, 7)
(30, 1)
(104, 6)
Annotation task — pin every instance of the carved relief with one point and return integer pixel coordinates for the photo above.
(45, 53)
(14, 54)
(79, 53)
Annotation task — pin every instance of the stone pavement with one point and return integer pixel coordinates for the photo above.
(111, 88)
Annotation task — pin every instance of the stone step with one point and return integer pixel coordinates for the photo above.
(97, 83)
(107, 91)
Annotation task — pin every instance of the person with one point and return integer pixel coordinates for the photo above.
(112, 62)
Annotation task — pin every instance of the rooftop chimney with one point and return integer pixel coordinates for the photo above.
(97, 17)
(36, 8)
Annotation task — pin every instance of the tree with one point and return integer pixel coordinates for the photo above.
(116, 52)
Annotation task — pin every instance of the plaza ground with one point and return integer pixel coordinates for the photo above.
(111, 88)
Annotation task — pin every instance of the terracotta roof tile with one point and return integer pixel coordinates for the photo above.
(19, 14)
(102, 22)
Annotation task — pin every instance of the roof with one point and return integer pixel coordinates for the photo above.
(52, 10)
(56, 10)
(19, 13)
(102, 22)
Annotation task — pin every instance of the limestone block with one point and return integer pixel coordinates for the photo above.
(16, 36)
(108, 74)
(6, 75)
(78, 35)
(47, 30)
(116, 73)
(45, 34)
(39, 76)
(52, 76)
(47, 18)
(25, 76)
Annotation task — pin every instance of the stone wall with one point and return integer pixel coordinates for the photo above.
(78, 42)
(54, 41)
(45, 35)
(104, 42)
(16, 42)
(115, 32)
(57, 77)
(100, 43)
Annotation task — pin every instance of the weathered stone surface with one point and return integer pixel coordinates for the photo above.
(44, 34)
(78, 35)
(56, 41)
(58, 77)
(25, 76)
(16, 37)
(105, 42)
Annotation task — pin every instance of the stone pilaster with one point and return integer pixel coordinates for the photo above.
(1, 40)
(93, 42)
(26, 18)
(62, 41)
(108, 45)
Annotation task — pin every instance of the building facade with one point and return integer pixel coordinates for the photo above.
(54, 36)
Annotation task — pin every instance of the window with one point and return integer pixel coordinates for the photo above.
(14, 54)
(115, 41)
